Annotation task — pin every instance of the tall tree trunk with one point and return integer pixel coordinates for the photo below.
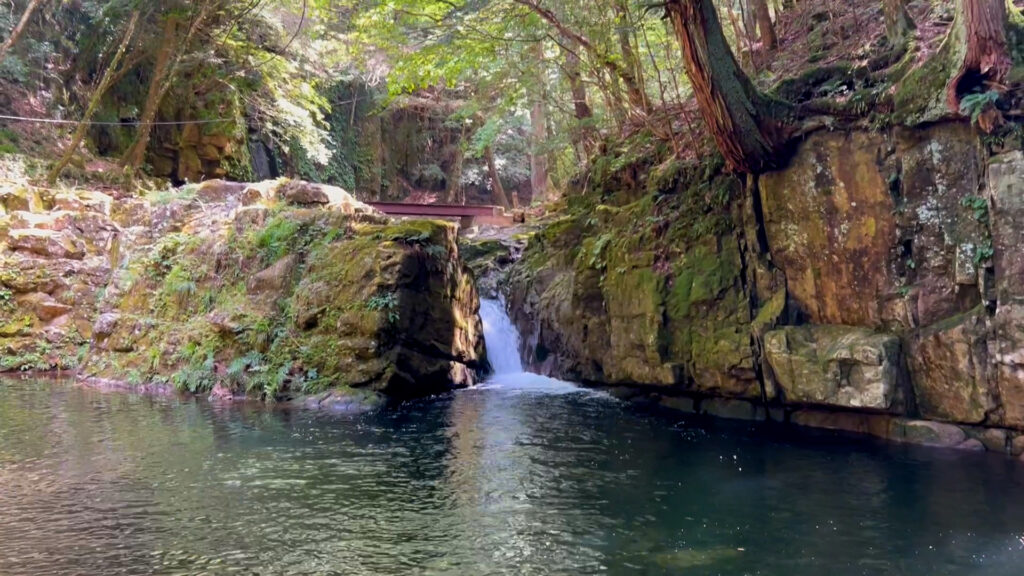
(454, 183)
(632, 75)
(749, 18)
(747, 126)
(135, 155)
(22, 24)
(94, 102)
(897, 21)
(539, 136)
(163, 75)
(578, 90)
(497, 190)
(764, 25)
(583, 134)
(986, 59)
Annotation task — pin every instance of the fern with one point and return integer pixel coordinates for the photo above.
(974, 105)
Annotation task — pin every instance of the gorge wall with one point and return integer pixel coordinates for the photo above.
(279, 290)
(873, 285)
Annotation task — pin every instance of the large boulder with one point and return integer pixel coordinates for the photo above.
(1006, 350)
(608, 297)
(838, 366)
(951, 369)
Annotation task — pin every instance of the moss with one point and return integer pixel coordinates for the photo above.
(770, 314)
(481, 250)
(813, 83)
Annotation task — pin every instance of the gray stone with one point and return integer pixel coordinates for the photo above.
(1006, 201)
(972, 444)
(732, 409)
(836, 366)
(274, 278)
(679, 403)
(105, 324)
(930, 433)
(950, 369)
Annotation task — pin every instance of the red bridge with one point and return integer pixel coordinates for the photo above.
(467, 215)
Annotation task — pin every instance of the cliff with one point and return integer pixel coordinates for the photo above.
(872, 285)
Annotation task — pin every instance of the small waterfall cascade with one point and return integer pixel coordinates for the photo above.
(502, 340)
(501, 337)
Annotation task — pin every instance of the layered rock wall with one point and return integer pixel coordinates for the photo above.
(276, 289)
(872, 285)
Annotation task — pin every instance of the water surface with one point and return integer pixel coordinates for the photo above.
(522, 475)
(499, 480)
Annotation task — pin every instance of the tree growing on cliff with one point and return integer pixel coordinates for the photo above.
(749, 127)
(113, 71)
(974, 59)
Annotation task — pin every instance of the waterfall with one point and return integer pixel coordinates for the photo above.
(501, 337)
(502, 340)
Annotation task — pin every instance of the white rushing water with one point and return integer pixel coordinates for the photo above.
(502, 340)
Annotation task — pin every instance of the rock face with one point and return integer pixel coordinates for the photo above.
(274, 298)
(872, 230)
(875, 284)
(608, 297)
(836, 366)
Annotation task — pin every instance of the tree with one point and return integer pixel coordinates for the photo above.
(980, 25)
(106, 81)
(635, 92)
(582, 112)
(765, 25)
(748, 127)
(897, 21)
(168, 57)
(497, 190)
(16, 33)
(973, 61)
(538, 134)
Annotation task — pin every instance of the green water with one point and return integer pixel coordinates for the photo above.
(493, 481)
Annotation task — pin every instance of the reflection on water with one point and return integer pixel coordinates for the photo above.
(523, 476)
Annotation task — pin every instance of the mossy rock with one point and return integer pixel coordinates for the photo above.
(298, 301)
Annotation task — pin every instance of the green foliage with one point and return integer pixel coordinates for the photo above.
(979, 210)
(171, 194)
(984, 253)
(975, 104)
(597, 252)
(386, 302)
(198, 373)
(347, 103)
(164, 254)
(276, 238)
(6, 300)
(8, 141)
(978, 206)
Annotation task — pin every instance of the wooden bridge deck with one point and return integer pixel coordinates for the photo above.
(468, 215)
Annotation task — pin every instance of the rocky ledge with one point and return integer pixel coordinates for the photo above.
(874, 285)
(278, 289)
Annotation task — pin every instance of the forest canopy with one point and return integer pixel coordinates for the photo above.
(429, 97)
